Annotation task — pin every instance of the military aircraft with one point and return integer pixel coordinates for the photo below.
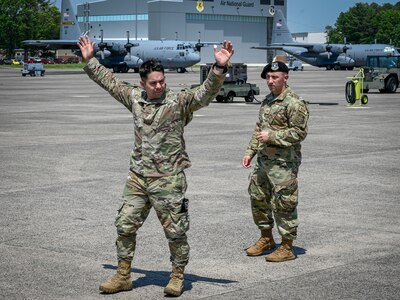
(121, 57)
(330, 56)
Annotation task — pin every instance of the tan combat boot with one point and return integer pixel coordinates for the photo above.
(265, 242)
(283, 253)
(120, 281)
(175, 284)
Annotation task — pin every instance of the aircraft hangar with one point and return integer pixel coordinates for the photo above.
(246, 23)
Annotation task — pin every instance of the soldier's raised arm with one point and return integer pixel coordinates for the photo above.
(119, 90)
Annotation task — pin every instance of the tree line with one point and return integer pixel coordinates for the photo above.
(40, 20)
(27, 20)
(366, 24)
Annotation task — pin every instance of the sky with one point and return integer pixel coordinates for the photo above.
(304, 15)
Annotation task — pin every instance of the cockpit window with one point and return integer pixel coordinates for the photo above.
(180, 47)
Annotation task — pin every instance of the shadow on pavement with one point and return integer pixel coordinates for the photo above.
(161, 278)
(296, 250)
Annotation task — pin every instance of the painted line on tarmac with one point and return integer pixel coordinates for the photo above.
(358, 107)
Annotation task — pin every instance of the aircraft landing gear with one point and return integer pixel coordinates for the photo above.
(181, 70)
(120, 68)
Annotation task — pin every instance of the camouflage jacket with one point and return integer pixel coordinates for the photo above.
(286, 117)
(159, 146)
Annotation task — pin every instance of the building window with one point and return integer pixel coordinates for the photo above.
(143, 17)
(280, 2)
(265, 2)
(225, 18)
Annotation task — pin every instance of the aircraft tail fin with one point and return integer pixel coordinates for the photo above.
(280, 31)
(69, 29)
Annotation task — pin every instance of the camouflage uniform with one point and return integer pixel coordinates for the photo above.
(273, 185)
(158, 159)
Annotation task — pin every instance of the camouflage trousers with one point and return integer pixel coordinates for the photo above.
(273, 193)
(167, 196)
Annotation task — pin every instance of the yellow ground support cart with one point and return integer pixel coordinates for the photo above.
(354, 88)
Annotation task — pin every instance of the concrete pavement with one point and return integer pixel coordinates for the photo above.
(64, 154)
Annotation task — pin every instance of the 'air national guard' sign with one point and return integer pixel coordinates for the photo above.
(200, 6)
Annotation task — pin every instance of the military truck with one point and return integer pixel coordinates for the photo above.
(382, 72)
(235, 84)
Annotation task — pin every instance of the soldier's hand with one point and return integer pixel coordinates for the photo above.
(246, 161)
(86, 47)
(223, 55)
(263, 136)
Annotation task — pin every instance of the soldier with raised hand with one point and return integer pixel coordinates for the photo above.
(156, 175)
(273, 188)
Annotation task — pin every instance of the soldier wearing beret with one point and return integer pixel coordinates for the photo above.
(273, 188)
(156, 177)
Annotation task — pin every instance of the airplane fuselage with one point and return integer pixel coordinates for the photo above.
(337, 56)
(353, 56)
(171, 53)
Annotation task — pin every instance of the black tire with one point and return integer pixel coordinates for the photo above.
(229, 97)
(364, 99)
(24, 75)
(350, 68)
(116, 69)
(336, 67)
(124, 68)
(329, 67)
(365, 91)
(219, 99)
(391, 85)
(350, 92)
(249, 97)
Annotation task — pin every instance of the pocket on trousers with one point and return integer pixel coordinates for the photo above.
(180, 217)
(286, 194)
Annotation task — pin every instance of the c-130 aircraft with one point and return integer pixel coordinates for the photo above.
(330, 56)
(121, 57)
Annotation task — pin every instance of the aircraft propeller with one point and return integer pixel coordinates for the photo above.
(328, 50)
(199, 45)
(128, 45)
(102, 45)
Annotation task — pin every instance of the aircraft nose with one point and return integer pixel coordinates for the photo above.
(194, 58)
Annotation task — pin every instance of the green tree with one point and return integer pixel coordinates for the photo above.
(388, 24)
(366, 23)
(27, 19)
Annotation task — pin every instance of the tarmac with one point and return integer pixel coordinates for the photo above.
(65, 146)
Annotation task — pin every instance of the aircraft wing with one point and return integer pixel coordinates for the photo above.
(268, 47)
(54, 44)
(279, 46)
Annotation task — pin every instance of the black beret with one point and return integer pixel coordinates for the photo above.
(275, 66)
